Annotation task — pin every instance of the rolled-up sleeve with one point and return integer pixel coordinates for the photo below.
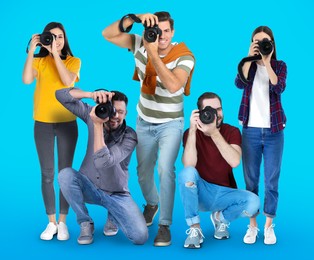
(108, 157)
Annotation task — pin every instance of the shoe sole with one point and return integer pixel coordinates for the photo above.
(48, 238)
(192, 246)
(87, 242)
(63, 238)
(162, 243)
(151, 223)
(217, 237)
(110, 234)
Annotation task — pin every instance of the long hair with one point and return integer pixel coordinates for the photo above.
(43, 52)
(269, 32)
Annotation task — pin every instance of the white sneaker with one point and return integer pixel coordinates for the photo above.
(251, 234)
(49, 232)
(63, 233)
(269, 235)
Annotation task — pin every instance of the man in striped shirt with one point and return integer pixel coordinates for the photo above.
(164, 69)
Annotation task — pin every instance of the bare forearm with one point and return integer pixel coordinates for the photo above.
(168, 78)
(79, 94)
(229, 153)
(28, 71)
(272, 75)
(67, 77)
(189, 157)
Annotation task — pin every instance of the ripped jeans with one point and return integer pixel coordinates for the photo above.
(200, 195)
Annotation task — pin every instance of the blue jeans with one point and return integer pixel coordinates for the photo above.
(123, 211)
(164, 138)
(205, 196)
(258, 143)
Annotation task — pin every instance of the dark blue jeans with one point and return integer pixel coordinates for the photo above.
(123, 211)
(258, 144)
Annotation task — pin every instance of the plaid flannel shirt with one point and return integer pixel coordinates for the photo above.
(277, 115)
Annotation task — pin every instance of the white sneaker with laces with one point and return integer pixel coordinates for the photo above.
(63, 233)
(49, 232)
(269, 235)
(251, 234)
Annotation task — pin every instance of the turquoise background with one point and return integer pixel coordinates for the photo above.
(218, 33)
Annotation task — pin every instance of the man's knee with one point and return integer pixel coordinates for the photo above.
(187, 176)
(65, 176)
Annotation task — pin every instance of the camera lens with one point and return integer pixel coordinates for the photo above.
(265, 46)
(105, 110)
(207, 115)
(46, 38)
(150, 33)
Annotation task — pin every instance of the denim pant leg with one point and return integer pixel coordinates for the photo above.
(273, 150)
(234, 203)
(78, 189)
(125, 213)
(170, 136)
(189, 194)
(166, 138)
(146, 153)
(252, 151)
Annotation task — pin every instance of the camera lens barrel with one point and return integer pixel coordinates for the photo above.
(150, 33)
(265, 46)
(105, 110)
(46, 38)
(207, 115)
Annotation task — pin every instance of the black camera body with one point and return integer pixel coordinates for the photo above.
(207, 115)
(104, 110)
(150, 33)
(46, 38)
(265, 46)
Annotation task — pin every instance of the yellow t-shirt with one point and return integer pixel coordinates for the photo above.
(46, 107)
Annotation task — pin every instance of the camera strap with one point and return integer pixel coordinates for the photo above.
(244, 60)
(133, 17)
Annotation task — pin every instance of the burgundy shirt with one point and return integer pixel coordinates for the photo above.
(211, 166)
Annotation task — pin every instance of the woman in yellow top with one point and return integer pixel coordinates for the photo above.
(54, 67)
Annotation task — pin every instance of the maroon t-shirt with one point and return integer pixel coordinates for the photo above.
(211, 166)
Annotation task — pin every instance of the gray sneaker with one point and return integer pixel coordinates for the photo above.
(86, 235)
(194, 239)
(110, 229)
(221, 229)
(163, 237)
(149, 213)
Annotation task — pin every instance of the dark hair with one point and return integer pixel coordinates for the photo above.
(119, 96)
(269, 32)
(165, 16)
(43, 52)
(207, 95)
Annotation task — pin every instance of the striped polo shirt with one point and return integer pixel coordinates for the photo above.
(163, 106)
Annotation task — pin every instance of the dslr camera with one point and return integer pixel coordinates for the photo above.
(265, 46)
(104, 110)
(207, 115)
(46, 38)
(150, 33)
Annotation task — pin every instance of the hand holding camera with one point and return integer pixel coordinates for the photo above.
(104, 109)
(46, 39)
(263, 47)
